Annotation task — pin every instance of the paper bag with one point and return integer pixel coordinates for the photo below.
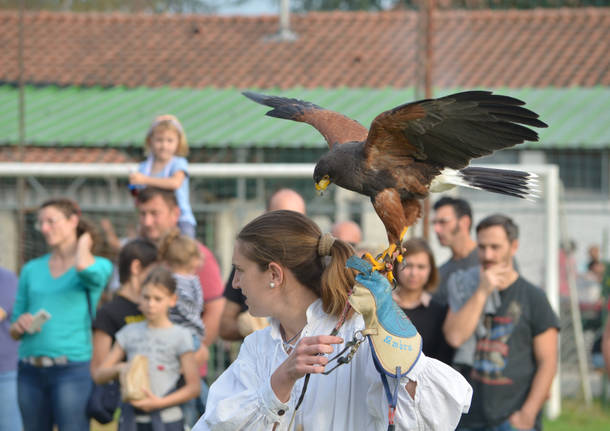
(134, 378)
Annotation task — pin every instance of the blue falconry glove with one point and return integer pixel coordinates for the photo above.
(395, 343)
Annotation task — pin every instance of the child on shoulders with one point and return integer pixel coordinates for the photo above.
(166, 166)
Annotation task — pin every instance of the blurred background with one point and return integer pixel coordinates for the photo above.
(81, 81)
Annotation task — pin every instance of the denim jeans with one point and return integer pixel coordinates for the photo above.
(55, 395)
(193, 409)
(190, 412)
(504, 426)
(203, 395)
(10, 417)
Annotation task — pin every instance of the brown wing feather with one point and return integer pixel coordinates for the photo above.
(414, 177)
(449, 131)
(386, 139)
(336, 128)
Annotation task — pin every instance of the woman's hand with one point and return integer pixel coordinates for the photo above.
(21, 325)
(150, 403)
(84, 243)
(84, 258)
(306, 358)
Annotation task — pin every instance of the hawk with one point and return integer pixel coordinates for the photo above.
(416, 148)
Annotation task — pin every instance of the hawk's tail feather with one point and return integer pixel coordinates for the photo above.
(519, 184)
(509, 182)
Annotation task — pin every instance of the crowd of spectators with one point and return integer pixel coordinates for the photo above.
(475, 312)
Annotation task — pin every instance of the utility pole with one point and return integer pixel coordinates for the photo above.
(426, 48)
(21, 181)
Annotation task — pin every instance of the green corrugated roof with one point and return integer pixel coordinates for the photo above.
(578, 117)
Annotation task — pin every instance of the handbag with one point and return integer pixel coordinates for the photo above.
(103, 402)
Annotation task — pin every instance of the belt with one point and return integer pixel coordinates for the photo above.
(45, 361)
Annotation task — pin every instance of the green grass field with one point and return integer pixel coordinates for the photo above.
(574, 417)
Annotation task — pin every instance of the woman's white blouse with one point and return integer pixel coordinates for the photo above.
(352, 397)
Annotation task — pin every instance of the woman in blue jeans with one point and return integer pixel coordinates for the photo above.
(53, 379)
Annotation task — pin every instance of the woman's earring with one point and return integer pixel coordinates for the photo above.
(272, 285)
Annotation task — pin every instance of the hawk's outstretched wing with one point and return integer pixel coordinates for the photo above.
(336, 128)
(449, 131)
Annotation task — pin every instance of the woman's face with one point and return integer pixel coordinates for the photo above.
(254, 283)
(56, 228)
(414, 272)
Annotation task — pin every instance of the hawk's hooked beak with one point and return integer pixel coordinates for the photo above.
(322, 184)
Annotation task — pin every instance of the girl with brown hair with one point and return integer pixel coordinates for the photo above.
(169, 351)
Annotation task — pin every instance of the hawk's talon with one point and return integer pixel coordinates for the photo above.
(389, 258)
(390, 277)
(377, 264)
(388, 252)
